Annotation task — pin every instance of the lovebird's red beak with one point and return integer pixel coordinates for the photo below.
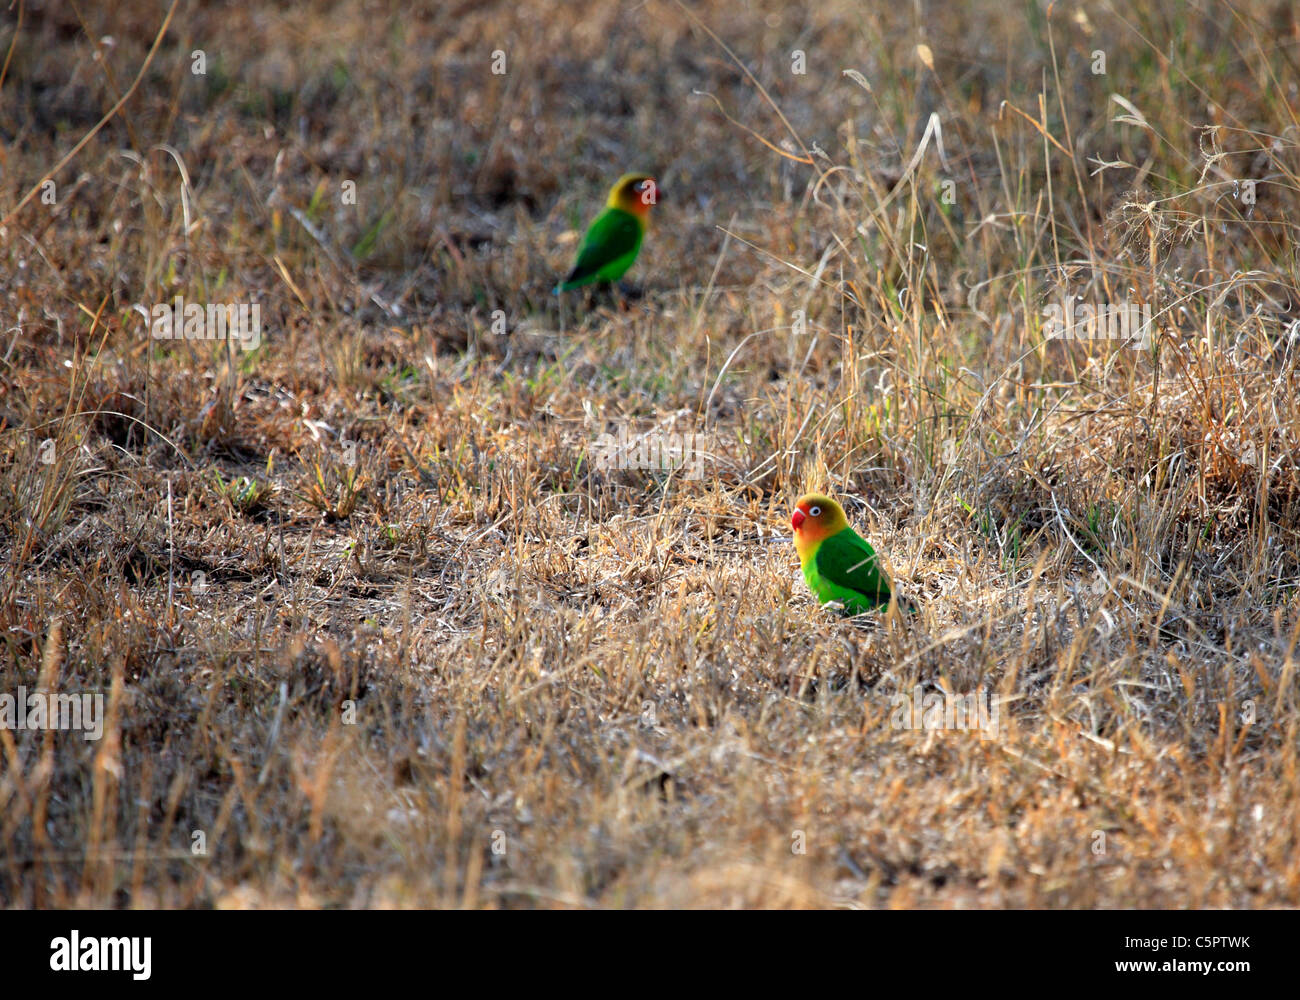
(797, 518)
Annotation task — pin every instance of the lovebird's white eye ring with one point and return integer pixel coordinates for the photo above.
(814, 512)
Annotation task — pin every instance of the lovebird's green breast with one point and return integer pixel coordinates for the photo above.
(610, 247)
(843, 567)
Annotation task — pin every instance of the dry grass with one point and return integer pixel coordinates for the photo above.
(370, 617)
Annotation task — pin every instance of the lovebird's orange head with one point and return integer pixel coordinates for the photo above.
(816, 516)
(635, 193)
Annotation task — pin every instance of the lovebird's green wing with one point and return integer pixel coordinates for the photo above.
(850, 573)
(608, 249)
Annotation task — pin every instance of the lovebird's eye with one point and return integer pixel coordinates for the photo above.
(814, 512)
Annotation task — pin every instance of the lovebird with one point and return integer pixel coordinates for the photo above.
(838, 563)
(614, 237)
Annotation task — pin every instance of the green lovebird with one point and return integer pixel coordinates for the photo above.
(614, 238)
(838, 563)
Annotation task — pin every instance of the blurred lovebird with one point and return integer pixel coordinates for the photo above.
(614, 238)
(838, 563)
